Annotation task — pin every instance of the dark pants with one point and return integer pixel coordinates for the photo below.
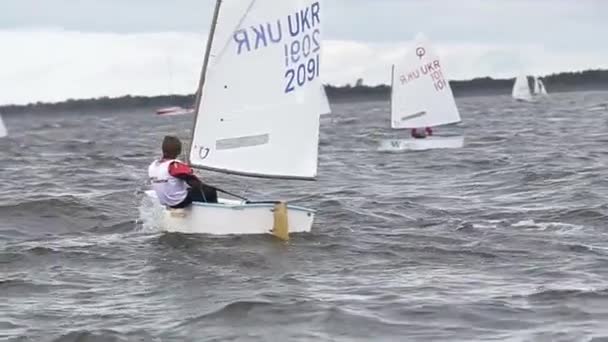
(208, 195)
(417, 135)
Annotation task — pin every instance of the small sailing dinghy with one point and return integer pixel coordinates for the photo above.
(521, 89)
(172, 110)
(421, 97)
(3, 131)
(539, 87)
(257, 113)
(175, 110)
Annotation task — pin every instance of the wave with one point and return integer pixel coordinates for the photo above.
(104, 335)
(359, 323)
(565, 294)
(63, 214)
(47, 207)
(582, 214)
(233, 311)
(346, 121)
(17, 287)
(457, 252)
(57, 123)
(255, 312)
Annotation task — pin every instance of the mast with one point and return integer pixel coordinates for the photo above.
(392, 91)
(392, 83)
(201, 82)
(170, 75)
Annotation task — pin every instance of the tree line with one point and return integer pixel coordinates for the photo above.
(559, 82)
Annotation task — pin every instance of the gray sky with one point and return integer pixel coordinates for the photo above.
(80, 45)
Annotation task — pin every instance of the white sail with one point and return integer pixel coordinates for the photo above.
(521, 88)
(541, 87)
(325, 107)
(536, 86)
(3, 131)
(421, 96)
(262, 96)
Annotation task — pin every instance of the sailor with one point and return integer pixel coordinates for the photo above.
(174, 182)
(419, 133)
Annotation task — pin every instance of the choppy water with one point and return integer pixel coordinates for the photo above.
(504, 239)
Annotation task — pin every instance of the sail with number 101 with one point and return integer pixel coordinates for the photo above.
(421, 95)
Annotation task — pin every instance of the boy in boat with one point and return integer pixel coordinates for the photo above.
(174, 182)
(421, 134)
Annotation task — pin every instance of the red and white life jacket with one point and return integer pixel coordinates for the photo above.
(169, 190)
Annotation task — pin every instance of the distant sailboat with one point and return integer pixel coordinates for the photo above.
(421, 97)
(521, 89)
(257, 114)
(539, 87)
(173, 110)
(3, 131)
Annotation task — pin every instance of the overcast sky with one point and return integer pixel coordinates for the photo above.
(57, 49)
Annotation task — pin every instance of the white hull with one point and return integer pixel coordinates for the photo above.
(421, 144)
(230, 217)
(171, 111)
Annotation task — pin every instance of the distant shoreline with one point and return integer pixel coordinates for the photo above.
(561, 82)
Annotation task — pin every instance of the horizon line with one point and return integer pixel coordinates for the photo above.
(347, 85)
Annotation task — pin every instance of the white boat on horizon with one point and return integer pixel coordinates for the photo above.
(421, 97)
(521, 89)
(257, 114)
(174, 110)
(3, 130)
(539, 87)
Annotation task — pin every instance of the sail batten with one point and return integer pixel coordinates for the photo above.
(261, 96)
(421, 95)
(253, 174)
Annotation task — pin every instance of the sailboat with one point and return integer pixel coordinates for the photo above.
(3, 131)
(257, 114)
(173, 110)
(421, 97)
(539, 87)
(521, 89)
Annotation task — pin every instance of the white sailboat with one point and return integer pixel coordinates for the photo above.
(539, 87)
(3, 131)
(257, 113)
(173, 110)
(421, 97)
(521, 89)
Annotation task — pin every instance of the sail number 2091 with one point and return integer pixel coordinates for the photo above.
(302, 61)
(303, 72)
